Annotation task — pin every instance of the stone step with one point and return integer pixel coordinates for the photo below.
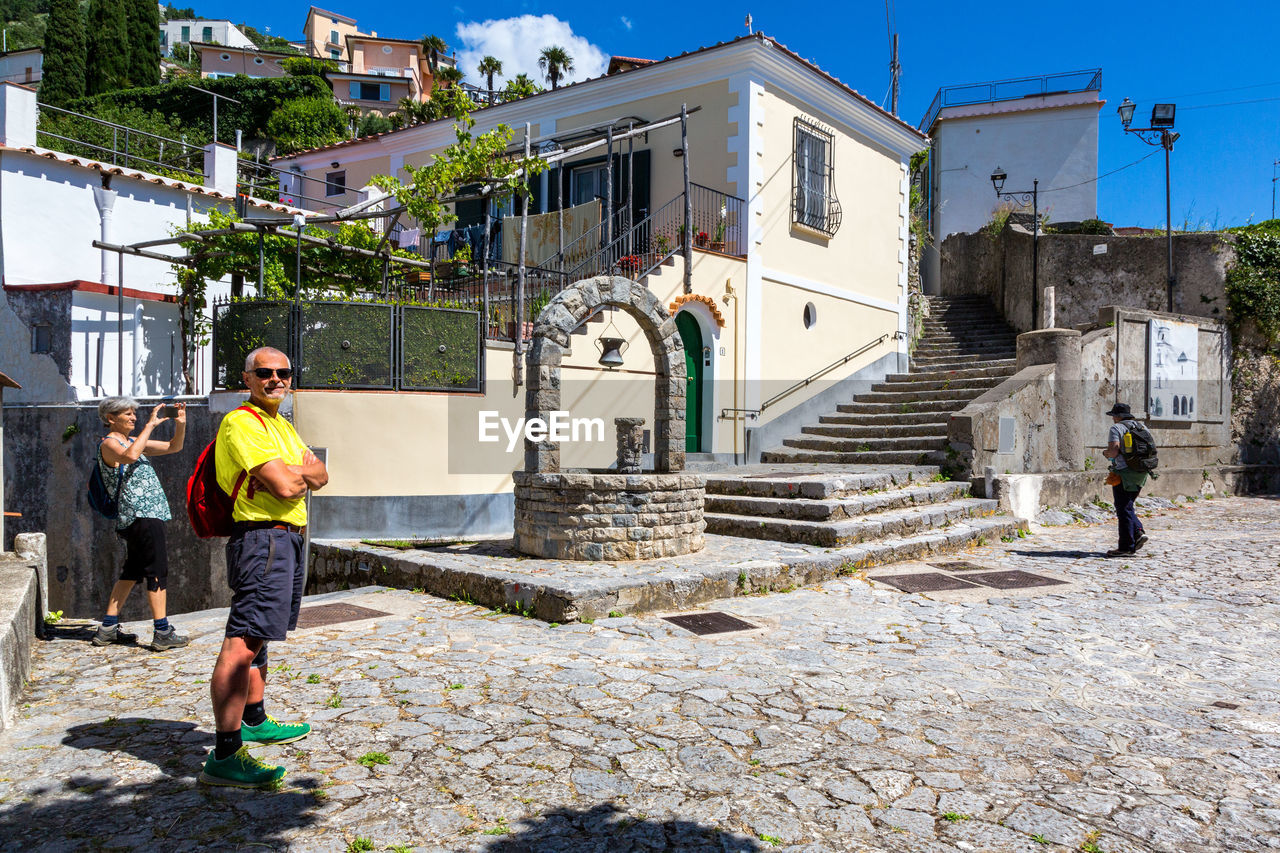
(962, 339)
(855, 428)
(959, 396)
(810, 482)
(796, 455)
(914, 407)
(977, 347)
(948, 362)
(809, 441)
(920, 386)
(885, 421)
(997, 370)
(896, 522)
(836, 509)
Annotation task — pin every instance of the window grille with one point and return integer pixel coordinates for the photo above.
(813, 180)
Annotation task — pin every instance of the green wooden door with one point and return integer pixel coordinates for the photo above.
(691, 335)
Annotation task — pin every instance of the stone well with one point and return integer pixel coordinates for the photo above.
(608, 515)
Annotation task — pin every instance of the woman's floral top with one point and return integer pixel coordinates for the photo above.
(142, 495)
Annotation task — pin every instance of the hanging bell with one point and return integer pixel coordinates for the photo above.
(611, 350)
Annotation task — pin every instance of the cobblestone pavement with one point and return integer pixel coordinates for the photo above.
(1137, 708)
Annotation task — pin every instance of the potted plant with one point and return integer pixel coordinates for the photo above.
(663, 242)
(700, 239)
(534, 304)
(717, 243)
(629, 264)
(462, 261)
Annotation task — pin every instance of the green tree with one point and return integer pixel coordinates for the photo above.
(373, 123)
(489, 67)
(63, 72)
(144, 43)
(555, 62)
(434, 47)
(307, 123)
(520, 86)
(106, 66)
(450, 76)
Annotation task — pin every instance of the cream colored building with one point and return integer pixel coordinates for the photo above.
(800, 303)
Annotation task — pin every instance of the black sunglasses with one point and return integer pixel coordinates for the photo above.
(267, 372)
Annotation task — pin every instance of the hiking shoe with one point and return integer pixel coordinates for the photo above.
(240, 770)
(1142, 540)
(108, 635)
(167, 639)
(272, 730)
(1120, 552)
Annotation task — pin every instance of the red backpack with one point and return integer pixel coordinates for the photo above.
(208, 506)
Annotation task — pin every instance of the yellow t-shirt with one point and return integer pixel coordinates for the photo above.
(243, 445)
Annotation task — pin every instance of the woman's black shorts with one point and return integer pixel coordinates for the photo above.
(146, 556)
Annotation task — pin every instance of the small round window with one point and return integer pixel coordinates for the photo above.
(257, 60)
(810, 315)
(226, 57)
(386, 48)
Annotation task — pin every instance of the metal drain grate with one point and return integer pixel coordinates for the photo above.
(711, 622)
(1013, 579)
(924, 582)
(960, 566)
(319, 615)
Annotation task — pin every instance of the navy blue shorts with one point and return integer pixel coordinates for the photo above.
(265, 571)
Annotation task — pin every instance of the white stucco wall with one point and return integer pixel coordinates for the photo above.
(223, 32)
(1056, 144)
(49, 218)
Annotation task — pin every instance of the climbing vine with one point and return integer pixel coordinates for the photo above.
(1253, 280)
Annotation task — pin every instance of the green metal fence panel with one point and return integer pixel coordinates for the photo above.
(439, 349)
(240, 327)
(345, 345)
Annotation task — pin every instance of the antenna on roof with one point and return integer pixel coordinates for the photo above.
(895, 68)
(748, 23)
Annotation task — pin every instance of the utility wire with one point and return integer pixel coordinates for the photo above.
(1231, 103)
(1100, 177)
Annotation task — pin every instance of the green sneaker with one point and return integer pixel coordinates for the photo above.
(241, 770)
(272, 730)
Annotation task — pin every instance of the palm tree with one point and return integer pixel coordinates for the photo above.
(433, 47)
(490, 66)
(555, 62)
(520, 86)
(449, 75)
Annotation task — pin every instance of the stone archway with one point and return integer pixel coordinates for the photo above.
(551, 333)
(608, 515)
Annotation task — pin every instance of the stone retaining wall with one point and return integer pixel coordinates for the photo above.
(612, 517)
(20, 620)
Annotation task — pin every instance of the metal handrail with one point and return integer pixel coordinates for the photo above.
(830, 367)
(951, 96)
(127, 156)
(112, 124)
(185, 150)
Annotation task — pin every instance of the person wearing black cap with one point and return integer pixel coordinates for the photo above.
(1127, 485)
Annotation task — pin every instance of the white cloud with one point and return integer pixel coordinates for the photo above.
(626, 22)
(517, 43)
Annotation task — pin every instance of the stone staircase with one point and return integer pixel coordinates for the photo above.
(966, 349)
(901, 512)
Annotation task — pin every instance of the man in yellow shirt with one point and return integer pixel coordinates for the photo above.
(267, 469)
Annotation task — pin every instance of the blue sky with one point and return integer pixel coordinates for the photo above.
(1216, 61)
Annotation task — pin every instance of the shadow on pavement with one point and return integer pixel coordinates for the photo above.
(1061, 555)
(605, 828)
(82, 631)
(92, 807)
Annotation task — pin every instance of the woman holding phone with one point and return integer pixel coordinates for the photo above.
(143, 511)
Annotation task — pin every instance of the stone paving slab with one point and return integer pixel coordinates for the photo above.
(1069, 718)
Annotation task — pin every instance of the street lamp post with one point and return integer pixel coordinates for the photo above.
(1022, 197)
(1159, 133)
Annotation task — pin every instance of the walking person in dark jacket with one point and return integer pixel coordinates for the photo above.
(1126, 485)
(143, 511)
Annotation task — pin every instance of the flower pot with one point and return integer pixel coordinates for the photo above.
(511, 329)
(700, 240)
(717, 246)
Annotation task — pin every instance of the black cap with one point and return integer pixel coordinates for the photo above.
(1120, 410)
